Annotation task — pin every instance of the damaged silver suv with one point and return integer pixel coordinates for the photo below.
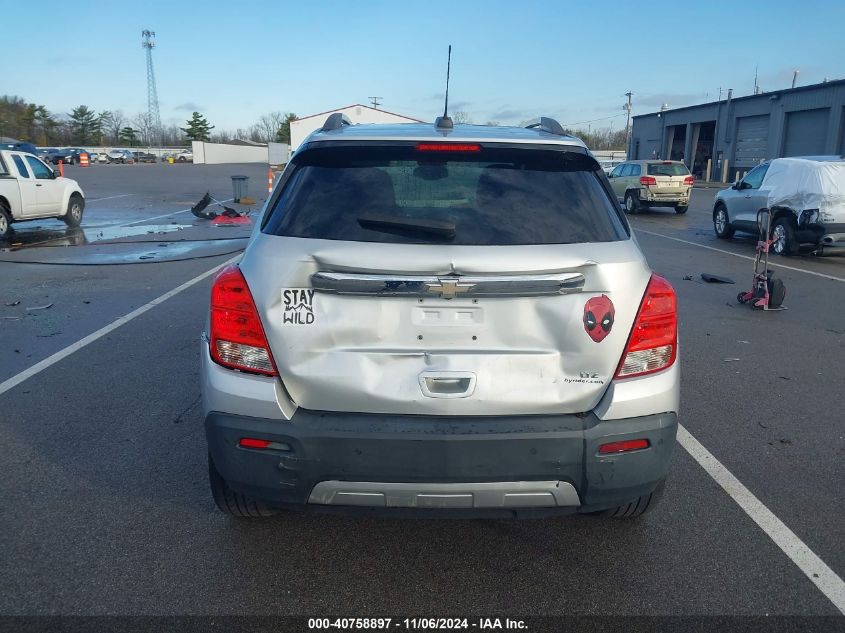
(449, 319)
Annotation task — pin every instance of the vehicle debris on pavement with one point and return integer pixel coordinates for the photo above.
(716, 279)
(44, 307)
(199, 210)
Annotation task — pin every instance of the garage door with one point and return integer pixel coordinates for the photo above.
(806, 132)
(752, 141)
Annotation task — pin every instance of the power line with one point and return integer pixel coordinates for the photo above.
(593, 120)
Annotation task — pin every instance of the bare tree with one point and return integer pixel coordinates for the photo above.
(111, 122)
(461, 117)
(143, 124)
(267, 127)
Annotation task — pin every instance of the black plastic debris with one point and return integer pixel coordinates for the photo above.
(199, 208)
(716, 279)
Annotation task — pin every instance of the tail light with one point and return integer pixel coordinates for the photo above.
(648, 180)
(653, 344)
(237, 337)
(689, 180)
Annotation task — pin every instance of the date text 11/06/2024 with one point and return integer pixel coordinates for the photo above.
(413, 624)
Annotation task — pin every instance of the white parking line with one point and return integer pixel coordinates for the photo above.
(719, 250)
(822, 576)
(123, 195)
(40, 366)
(167, 215)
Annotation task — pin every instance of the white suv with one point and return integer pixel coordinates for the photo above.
(452, 319)
(806, 196)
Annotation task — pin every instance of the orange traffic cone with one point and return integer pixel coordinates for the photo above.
(269, 180)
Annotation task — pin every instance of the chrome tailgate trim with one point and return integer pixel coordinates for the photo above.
(447, 286)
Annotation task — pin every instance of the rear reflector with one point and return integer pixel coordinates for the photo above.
(623, 446)
(648, 180)
(251, 442)
(448, 147)
(237, 337)
(653, 344)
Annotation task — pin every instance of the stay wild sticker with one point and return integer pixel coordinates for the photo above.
(298, 304)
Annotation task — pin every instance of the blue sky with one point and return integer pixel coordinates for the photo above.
(234, 61)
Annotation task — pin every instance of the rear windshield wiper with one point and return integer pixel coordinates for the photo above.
(444, 229)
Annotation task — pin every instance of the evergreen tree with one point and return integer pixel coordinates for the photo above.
(128, 136)
(198, 128)
(84, 126)
(283, 135)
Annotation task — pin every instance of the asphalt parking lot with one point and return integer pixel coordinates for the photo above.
(106, 508)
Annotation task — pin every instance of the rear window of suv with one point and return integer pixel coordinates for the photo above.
(492, 196)
(667, 169)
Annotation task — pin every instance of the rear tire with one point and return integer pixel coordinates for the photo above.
(234, 503)
(75, 207)
(637, 507)
(632, 203)
(5, 223)
(681, 209)
(785, 244)
(722, 223)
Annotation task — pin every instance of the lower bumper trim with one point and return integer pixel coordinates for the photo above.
(505, 494)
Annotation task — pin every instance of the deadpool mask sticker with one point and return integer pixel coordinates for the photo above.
(598, 317)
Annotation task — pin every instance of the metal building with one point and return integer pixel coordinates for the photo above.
(735, 134)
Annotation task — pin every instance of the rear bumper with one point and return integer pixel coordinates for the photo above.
(511, 464)
(657, 198)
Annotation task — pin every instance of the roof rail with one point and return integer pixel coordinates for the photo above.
(335, 121)
(546, 124)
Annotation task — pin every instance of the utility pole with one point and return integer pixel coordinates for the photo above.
(375, 101)
(153, 116)
(627, 108)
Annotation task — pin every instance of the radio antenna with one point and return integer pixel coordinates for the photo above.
(444, 121)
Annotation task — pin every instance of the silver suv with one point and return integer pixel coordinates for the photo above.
(641, 184)
(451, 319)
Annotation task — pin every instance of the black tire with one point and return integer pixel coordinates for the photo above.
(722, 223)
(5, 223)
(638, 506)
(680, 209)
(786, 243)
(182, 159)
(75, 207)
(632, 203)
(234, 503)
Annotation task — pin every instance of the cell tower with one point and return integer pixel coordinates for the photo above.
(153, 116)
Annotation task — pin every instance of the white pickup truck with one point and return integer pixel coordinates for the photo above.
(30, 190)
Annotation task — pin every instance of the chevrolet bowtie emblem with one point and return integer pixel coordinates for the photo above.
(449, 287)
